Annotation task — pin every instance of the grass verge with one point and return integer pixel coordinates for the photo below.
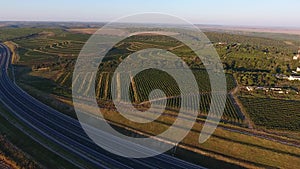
(10, 127)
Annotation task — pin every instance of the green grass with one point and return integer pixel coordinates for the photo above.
(11, 33)
(244, 148)
(36, 57)
(72, 36)
(25, 143)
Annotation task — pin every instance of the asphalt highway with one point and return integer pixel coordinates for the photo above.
(66, 132)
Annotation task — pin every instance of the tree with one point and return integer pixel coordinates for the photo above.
(278, 69)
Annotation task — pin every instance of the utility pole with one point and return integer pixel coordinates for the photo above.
(174, 149)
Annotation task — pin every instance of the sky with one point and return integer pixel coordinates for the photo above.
(281, 13)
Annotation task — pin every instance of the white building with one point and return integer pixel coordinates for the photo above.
(249, 88)
(295, 57)
(294, 78)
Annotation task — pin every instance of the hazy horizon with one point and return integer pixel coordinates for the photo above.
(263, 13)
(197, 24)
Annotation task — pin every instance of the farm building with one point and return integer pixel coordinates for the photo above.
(250, 88)
(295, 57)
(293, 78)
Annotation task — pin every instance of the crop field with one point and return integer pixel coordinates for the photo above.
(273, 113)
(51, 46)
(252, 61)
(146, 82)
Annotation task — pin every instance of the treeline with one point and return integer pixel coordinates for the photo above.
(61, 63)
(273, 45)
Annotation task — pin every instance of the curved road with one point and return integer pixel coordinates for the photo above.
(65, 132)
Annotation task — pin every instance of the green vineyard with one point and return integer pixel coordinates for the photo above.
(273, 113)
(146, 81)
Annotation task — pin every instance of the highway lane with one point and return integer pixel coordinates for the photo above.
(66, 132)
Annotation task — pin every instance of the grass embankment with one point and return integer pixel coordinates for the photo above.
(14, 49)
(36, 154)
(7, 162)
(63, 105)
(226, 145)
(13, 157)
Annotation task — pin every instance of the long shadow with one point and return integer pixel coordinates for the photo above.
(46, 85)
(226, 139)
(50, 87)
(23, 77)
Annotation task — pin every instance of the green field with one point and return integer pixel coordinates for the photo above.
(153, 79)
(56, 50)
(273, 113)
(250, 60)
